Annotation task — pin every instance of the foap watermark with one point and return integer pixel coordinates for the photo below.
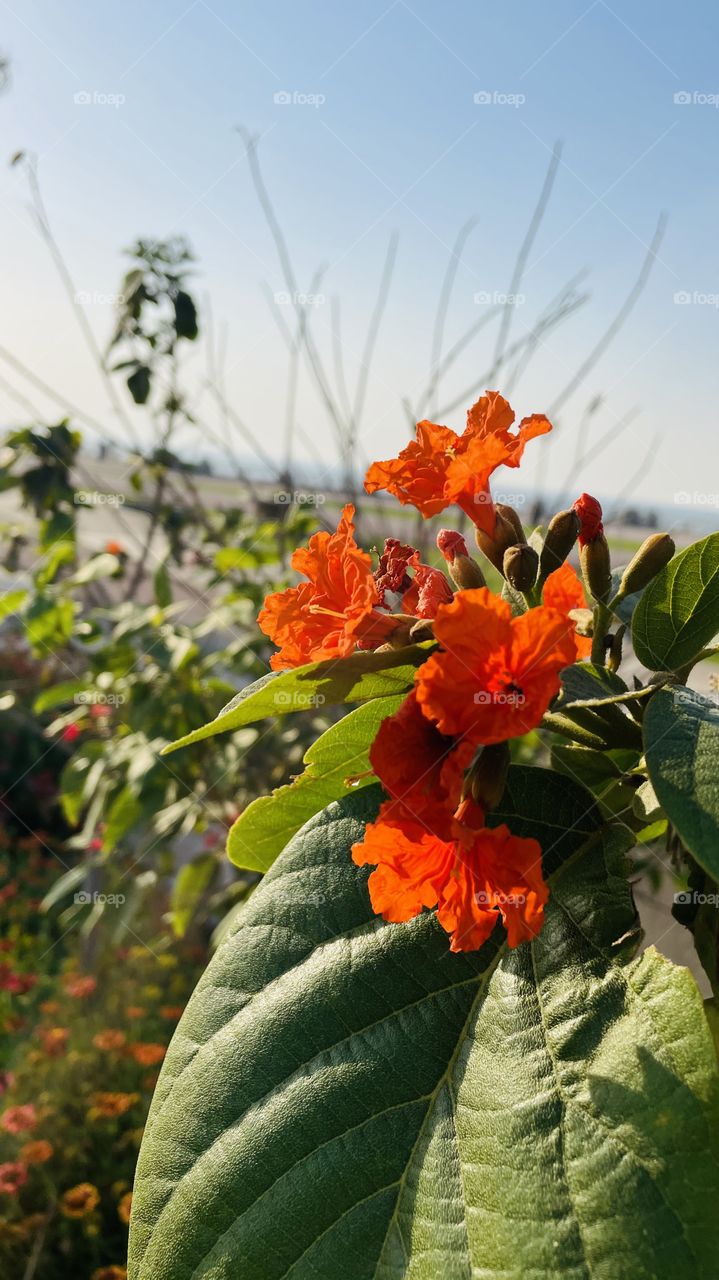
(285, 299)
(96, 98)
(499, 899)
(298, 700)
(85, 899)
(96, 698)
(695, 298)
(296, 98)
(497, 98)
(698, 701)
(692, 898)
(695, 98)
(506, 499)
(300, 497)
(499, 698)
(93, 298)
(496, 299)
(683, 498)
(95, 498)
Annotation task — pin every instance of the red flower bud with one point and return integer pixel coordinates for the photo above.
(451, 544)
(590, 516)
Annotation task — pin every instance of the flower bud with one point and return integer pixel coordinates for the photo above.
(487, 775)
(562, 534)
(463, 570)
(596, 567)
(654, 553)
(520, 566)
(590, 518)
(505, 535)
(508, 513)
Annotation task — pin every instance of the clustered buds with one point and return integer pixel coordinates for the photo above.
(520, 565)
(593, 548)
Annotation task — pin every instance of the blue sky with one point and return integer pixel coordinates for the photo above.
(391, 138)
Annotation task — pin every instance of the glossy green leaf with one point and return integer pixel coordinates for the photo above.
(681, 736)
(602, 772)
(355, 679)
(584, 684)
(678, 613)
(348, 1099)
(339, 755)
(191, 883)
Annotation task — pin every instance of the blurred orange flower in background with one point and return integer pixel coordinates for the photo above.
(79, 986)
(147, 1055)
(79, 1200)
(109, 1040)
(110, 1105)
(124, 1207)
(38, 1152)
(19, 1119)
(12, 1177)
(54, 1040)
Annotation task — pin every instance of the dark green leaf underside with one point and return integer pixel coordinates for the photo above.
(681, 736)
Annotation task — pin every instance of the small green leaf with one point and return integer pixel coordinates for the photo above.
(191, 882)
(584, 684)
(138, 384)
(266, 825)
(681, 736)
(355, 679)
(162, 586)
(57, 694)
(678, 613)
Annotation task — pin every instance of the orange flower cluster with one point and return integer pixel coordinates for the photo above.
(111, 1105)
(491, 677)
(79, 1201)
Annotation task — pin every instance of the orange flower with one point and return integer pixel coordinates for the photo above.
(123, 1208)
(420, 769)
(147, 1055)
(80, 1200)
(110, 1273)
(54, 1041)
(111, 1105)
(19, 1119)
(49, 1007)
(37, 1152)
(13, 1176)
(590, 516)
(322, 618)
(109, 1040)
(498, 874)
(173, 1012)
(79, 986)
(441, 467)
(135, 1011)
(497, 674)
(564, 591)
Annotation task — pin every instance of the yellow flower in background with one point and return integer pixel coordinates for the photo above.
(78, 1201)
(124, 1207)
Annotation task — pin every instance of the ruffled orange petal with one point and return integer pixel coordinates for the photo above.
(564, 591)
(417, 475)
(411, 867)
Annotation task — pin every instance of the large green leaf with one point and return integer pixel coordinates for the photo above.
(678, 613)
(355, 679)
(333, 762)
(681, 737)
(603, 772)
(348, 1099)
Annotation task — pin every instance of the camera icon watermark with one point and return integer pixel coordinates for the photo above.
(496, 98)
(85, 899)
(94, 98)
(295, 98)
